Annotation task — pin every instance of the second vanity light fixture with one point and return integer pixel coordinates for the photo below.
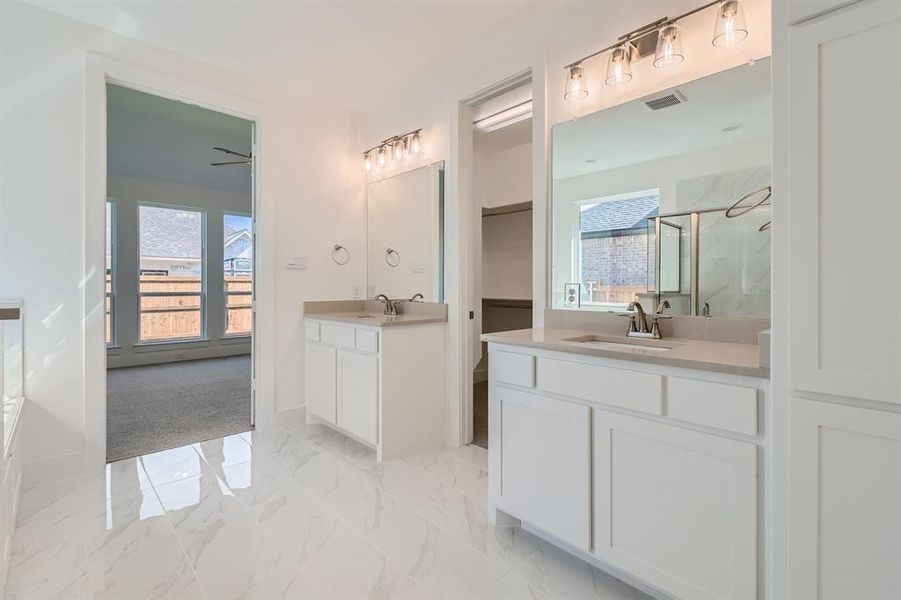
(662, 37)
(393, 150)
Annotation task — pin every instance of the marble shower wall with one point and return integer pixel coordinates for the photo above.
(734, 257)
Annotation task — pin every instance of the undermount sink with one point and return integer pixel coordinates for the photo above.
(631, 345)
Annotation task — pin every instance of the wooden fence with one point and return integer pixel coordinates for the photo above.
(173, 317)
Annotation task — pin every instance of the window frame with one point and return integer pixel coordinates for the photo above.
(225, 292)
(202, 294)
(112, 226)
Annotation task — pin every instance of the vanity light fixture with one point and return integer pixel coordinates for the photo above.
(731, 27)
(663, 39)
(576, 86)
(394, 149)
(669, 46)
(619, 65)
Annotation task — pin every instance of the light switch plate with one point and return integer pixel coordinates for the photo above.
(296, 263)
(417, 267)
(356, 295)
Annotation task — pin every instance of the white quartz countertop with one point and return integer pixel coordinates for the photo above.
(377, 319)
(721, 357)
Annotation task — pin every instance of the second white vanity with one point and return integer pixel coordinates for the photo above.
(645, 461)
(377, 378)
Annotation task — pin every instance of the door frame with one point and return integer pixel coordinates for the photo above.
(468, 225)
(99, 71)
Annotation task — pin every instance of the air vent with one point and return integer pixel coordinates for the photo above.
(666, 101)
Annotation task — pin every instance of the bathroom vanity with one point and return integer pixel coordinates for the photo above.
(377, 378)
(645, 460)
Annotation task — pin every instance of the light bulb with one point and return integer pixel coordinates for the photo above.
(619, 67)
(730, 27)
(416, 144)
(669, 46)
(576, 86)
(398, 151)
(382, 157)
(367, 162)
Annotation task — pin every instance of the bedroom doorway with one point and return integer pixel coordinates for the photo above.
(180, 264)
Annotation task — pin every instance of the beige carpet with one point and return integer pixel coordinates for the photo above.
(158, 407)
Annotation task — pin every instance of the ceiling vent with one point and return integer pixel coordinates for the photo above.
(666, 101)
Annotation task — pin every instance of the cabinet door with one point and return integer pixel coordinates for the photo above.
(676, 508)
(320, 378)
(845, 502)
(844, 151)
(358, 394)
(545, 447)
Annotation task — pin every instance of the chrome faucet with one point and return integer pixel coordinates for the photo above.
(638, 320)
(390, 305)
(417, 298)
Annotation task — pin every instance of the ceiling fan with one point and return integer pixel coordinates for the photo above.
(247, 158)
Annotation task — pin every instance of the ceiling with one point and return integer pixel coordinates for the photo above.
(166, 140)
(346, 49)
(503, 138)
(631, 133)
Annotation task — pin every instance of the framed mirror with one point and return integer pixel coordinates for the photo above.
(640, 198)
(405, 235)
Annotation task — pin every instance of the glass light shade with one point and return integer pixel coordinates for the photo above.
(367, 162)
(398, 152)
(382, 156)
(576, 86)
(415, 146)
(730, 28)
(669, 47)
(619, 67)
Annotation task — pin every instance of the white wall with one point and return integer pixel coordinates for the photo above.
(557, 34)
(503, 177)
(312, 198)
(507, 255)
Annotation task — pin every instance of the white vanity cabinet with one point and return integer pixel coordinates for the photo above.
(651, 471)
(382, 386)
(837, 443)
(676, 507)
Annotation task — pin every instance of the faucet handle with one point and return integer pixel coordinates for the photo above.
(633, 325)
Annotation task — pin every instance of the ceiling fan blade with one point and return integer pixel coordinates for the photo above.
(227, 151)
(235, 162)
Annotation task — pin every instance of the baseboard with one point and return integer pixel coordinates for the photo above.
(54, 469)
(165, 355)
(289, 416)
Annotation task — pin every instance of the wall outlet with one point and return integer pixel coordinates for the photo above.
(356, 295)
(180, 356)
(296, 263)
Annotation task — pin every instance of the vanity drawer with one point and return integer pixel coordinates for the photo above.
(720, 405)
(367, 340)
(337, 335)
(311, 331)
(616, 387)
(512, 367)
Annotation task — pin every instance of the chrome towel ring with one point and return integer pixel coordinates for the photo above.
(392, 262)
(340, 255)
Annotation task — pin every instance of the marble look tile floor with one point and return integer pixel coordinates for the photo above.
(302, 512)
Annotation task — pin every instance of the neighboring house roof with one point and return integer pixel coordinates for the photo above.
(629, 213)
(176, 234)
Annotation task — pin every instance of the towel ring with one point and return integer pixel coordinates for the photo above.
(392, 262)
(737, 210)
(340, 255)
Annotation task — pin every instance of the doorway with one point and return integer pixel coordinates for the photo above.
(180, 264)
(502, 240)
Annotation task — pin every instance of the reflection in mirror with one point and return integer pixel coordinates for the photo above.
(640, 198)
(405, 240)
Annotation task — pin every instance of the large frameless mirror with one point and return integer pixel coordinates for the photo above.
(405, 235)
(668, 197)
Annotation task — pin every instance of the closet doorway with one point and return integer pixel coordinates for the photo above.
(502, 253)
